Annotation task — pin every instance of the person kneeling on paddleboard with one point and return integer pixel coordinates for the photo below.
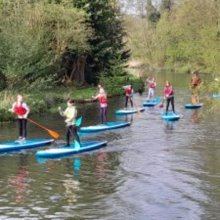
(21, 109)
(169, 96)
(70, 115)
(128, 95)
(102, 98)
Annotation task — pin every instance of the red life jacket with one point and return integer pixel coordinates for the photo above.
(168, 90)
(128, 91)
(152, 85)
(20, 110)
(102, 99)
(196, 81)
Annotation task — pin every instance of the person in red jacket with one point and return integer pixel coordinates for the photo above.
(21, 109)
(195, 82)
(128, 95)
(169, 96)
(103, 102)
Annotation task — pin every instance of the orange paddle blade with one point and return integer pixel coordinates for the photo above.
(52, 133)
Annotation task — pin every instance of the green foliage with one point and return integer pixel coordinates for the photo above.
(42, 101)
(153, 15)
(114, 84)
(166, 5)
(34, 35)
(188, 34)
(107, 44)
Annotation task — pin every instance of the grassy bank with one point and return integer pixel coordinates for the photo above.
(43, 101)
(48, 100)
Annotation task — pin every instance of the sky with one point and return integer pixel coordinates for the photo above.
(136, 6)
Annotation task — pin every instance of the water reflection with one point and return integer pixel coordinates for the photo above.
(20, 181)
(76, 166)
(169, 125)
(195, 116)
(101, 165)
(72, 184)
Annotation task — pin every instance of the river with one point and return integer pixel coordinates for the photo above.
(149, 171)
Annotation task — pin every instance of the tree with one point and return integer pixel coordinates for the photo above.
(107, 43)
(166, 5)
(35, 34)
(153, 15)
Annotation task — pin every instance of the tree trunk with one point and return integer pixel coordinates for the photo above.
(78, 70)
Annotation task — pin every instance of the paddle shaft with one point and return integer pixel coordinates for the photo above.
(51, 132)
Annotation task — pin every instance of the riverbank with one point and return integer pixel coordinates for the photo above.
(47, 101)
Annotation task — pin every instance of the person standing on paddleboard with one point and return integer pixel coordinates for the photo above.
(169, 96)
(103, 104)
(128, 95)
(70, 115)
(21, 109)
(195, 82)
(151, 85)
(101, 89)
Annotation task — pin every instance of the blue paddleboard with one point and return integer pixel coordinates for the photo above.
(65, 151)
(193, 106)
(151, 102)
(129, 111)
(170, 116)
(104, 127)
(27, 144)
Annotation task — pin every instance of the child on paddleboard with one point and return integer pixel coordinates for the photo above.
(21, 109)
(70, 115)
(101, 89)
(103, 103)
(195, 82)
(169, 96)
(128, 95)
(151, 85)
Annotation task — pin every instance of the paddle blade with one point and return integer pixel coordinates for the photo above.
(161, 105)
(54, 134)
(76, 145)
(79, 121)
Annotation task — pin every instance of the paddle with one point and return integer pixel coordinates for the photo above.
(52, 133)
(162, 103)
(134, 103)
(79, 121)
(76, 145)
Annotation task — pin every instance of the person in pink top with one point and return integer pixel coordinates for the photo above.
(128, 95)
(151, 85)
(103, 103)
(169, 96)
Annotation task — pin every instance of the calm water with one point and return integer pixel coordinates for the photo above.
(151, 170)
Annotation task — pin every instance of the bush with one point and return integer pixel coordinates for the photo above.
(114, 84)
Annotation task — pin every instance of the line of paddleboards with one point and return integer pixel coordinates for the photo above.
(104, 127)
(129, 111)
(27, 144)
(66, 151)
